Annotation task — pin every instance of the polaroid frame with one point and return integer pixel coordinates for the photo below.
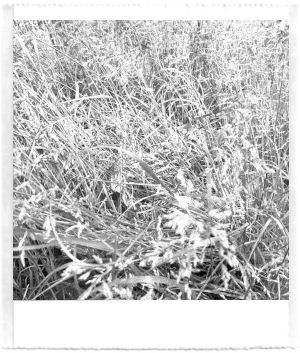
(146, 325)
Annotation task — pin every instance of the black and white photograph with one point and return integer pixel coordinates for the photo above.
(150, 160)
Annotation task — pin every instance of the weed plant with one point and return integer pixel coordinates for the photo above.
(150, 160)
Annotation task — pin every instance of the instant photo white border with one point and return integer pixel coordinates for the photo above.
(152, 324)
(147, 324)
(149, 10)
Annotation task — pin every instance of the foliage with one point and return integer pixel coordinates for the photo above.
(150, 160)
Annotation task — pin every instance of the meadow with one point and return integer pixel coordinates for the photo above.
(151, 160)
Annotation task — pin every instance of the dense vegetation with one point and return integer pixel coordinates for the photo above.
(151, 160)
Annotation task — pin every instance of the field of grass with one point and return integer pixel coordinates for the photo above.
(151, 160)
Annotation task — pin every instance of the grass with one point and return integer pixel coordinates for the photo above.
(151, 160)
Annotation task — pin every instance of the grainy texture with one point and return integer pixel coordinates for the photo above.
(151, 160)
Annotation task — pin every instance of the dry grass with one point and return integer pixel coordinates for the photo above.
(150, 160)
